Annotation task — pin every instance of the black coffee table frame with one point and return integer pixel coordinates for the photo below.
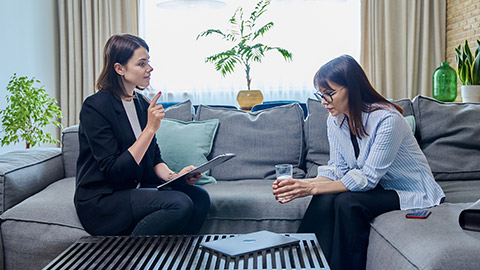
(183, 252)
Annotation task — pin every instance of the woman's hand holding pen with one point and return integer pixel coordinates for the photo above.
(190, 178)
(155, 114)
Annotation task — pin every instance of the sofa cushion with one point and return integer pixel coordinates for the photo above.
(246, 206)
(406, 105)
(182, 111)
(251, 199)
(449, 137)
(70, 150)
(26, 172)
(53, 205)
(260, 139)
(459, 191)
(316, 140)
(187, 143)
(38, 229)
(437, 242)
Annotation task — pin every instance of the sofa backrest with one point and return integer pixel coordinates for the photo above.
(449, 136)
(70, 150)
(316, 140)
(260, 140)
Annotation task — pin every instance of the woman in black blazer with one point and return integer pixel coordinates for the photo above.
(120, 165)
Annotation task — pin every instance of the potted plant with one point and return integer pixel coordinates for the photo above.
(246, 50)
(28, 110)
(468, 70)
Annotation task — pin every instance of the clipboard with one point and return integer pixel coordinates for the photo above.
(203, 168)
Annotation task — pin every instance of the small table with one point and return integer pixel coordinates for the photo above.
(183, 252)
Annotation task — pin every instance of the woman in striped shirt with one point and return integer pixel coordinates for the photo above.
(375, 166)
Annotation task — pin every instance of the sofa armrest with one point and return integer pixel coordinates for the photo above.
(26, 172)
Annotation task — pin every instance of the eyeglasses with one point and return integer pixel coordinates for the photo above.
(326, 96)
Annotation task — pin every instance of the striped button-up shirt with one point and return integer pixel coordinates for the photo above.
(389, 156)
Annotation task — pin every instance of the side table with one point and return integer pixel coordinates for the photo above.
(183, 252)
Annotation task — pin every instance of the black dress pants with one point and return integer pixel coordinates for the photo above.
(341, 223)
(181, 210)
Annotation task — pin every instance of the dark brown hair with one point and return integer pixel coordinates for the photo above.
(118, 49)
(345, 71)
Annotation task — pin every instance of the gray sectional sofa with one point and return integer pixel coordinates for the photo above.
(38, 218)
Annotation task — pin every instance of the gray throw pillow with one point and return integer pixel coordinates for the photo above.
(406, 104)
(260, 139)
(317, 146)
(182, 111)
(449, 137)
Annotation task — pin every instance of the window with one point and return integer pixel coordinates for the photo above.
(315, 31)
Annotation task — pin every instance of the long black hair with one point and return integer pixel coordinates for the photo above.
(345, 71)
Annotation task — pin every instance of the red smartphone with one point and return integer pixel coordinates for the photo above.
(423, 214)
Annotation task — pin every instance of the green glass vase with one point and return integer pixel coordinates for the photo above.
(445, 83)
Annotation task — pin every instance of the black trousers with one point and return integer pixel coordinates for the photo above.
(341, 223)
(181, 210)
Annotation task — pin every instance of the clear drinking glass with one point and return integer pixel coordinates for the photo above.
(283, 171)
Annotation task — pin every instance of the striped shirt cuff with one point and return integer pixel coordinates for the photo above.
(327, 171)
(355, 180)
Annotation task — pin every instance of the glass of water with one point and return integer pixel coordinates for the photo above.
(284, 171)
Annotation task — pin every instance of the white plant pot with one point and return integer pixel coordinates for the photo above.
(471, 93)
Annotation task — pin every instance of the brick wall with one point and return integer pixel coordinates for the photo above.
(463, 23)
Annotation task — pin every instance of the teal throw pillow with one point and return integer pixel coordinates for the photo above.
(187, 143)
(411, 121)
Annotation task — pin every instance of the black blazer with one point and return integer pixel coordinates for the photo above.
(106, 171)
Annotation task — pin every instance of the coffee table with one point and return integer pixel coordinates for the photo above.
(183, 252)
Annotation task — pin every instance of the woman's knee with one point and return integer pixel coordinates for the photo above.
(204, 197)
(345, 201)
(182, 202)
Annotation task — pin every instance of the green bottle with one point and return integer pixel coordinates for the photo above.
(445, 83)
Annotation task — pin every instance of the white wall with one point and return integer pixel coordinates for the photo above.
(29, 47)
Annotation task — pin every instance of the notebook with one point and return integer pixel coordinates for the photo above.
(251, 242)
(202, 168)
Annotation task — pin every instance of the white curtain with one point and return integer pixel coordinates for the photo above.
(85, 26)
(403, 42)
(314, 31)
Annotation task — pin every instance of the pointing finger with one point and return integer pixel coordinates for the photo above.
(155, 99)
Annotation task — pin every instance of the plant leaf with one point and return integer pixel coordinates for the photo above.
(262, 30)
(209, 32)
(241, 34)
(476, 71)
(468, 52)
(29, 108)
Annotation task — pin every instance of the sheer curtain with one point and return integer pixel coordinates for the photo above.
(85, 26)
(403, 42)
(315, 31)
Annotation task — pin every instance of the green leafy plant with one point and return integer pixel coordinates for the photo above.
(244, 35)
(28, 110)
(468, 65)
